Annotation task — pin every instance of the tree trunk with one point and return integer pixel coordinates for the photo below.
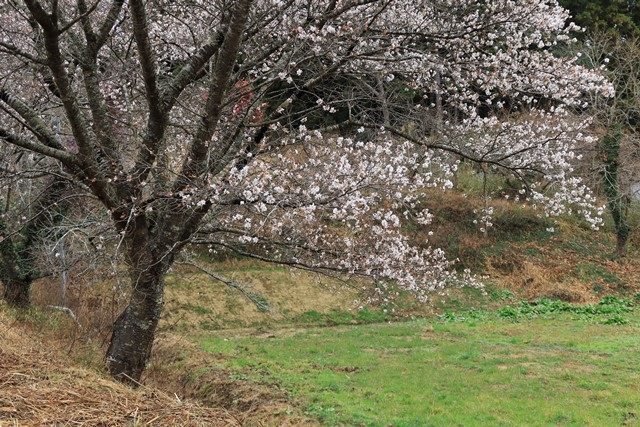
(16, 284)
(622, 237)
(617, 201)
(16, 291)
(17, 266)
(134, 330)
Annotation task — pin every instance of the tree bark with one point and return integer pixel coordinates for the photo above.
(16, 284)
(618, 202)
(17, 262)
(16, 291)
(621, 243)
(134, 332)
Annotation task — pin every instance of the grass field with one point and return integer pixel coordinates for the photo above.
(550, 363)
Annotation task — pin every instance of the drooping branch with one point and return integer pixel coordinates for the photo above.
(258, 300)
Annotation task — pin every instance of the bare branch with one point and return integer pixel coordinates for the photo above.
(64, 156)
(195, 163)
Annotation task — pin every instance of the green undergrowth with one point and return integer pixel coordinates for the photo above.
(610, 310)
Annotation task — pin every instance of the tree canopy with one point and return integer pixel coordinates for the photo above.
(618, 17)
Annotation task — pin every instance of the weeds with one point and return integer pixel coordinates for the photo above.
(501, 295)
(611, 306)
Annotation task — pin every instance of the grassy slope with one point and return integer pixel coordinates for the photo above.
(195, 301)
(572, 263)
(518, 255)
(491, 369)
(559, 369)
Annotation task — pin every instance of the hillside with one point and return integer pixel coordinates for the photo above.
(524, 255)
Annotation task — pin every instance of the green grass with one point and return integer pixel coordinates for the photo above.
(339, 317)
(544, 363)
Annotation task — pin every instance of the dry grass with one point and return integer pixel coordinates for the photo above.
(555, 274)
(193, 299)
(40, 386)
(573, 264)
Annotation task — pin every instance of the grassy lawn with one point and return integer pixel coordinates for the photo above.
(501, 368)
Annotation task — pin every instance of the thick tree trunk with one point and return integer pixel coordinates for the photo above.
(16, 291)
(134, 330)
(622, 241)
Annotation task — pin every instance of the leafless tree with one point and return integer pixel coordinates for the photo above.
(617, 119)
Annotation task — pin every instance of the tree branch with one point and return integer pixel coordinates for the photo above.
(61, 155)
(189, 72)
(35, 123)
(156, 123)
(195, 163)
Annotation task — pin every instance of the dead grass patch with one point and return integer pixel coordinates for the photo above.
(194, 299)
(40, 386)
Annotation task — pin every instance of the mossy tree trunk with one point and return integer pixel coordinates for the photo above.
(15, 282)
(617, 201)
(17, 264)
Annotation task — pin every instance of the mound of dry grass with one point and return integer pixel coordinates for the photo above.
(40, 387)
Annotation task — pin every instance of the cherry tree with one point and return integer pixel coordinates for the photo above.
(298, 132)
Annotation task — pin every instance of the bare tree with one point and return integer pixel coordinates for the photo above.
(618, 121)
